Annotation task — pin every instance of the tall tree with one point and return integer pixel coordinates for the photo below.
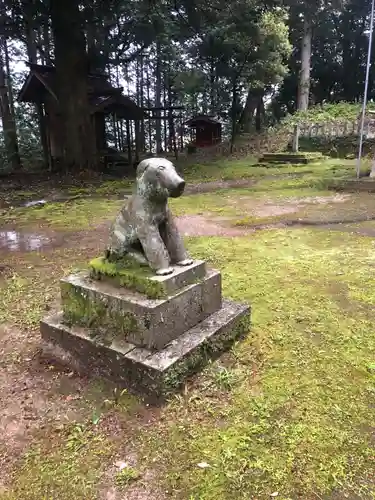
(304, 79)
(6, 108)
(72, 67)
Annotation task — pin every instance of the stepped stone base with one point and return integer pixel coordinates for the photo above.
(296, 158)
(111, 311)
(147, 341)
(152, 373)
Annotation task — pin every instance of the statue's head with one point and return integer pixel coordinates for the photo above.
(158, 176)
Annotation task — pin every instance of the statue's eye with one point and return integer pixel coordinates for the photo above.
(161, 167)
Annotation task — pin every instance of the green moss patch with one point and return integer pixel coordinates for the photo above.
(72, 215)
(297, 418)
(207, 351)
(128, 273)
(104, 322)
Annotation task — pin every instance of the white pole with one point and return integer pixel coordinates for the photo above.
(366, 89)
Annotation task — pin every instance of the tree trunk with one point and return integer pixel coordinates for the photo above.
(233, 113)
(79, 147)
(246, 119)
(141, 104)
(165, 128)
(148, 85)
(158, 130)
(212, 88)
(137, 130)
(259, 117)
(171, 124)
(8, 121)
(9, 79)
(46, 42)
(129, 143)
(114, 127)
(304, 80)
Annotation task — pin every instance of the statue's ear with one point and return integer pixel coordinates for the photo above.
(142, 170)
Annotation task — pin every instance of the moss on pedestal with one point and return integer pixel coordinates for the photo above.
(104, 322)
(208, 350)
(128, 273)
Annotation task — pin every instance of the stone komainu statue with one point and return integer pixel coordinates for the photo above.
(144, 228)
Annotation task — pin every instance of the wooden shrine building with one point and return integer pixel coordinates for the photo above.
(205, 131)
(39, 88)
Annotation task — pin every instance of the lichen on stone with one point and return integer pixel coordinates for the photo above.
(128, 273)
(105, 323)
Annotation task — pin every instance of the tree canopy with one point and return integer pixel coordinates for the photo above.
(239, 61)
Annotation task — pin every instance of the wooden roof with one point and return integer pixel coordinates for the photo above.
(104, 98)
(202, 120)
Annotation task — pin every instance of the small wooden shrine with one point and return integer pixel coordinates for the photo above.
(205, 130)
(39, 87)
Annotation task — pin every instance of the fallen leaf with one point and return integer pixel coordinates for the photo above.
(72, 398)
(275, 494)
(121, 465)
(95, 418)
(203, 465)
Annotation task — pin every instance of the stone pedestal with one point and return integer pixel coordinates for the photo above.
(150, 345)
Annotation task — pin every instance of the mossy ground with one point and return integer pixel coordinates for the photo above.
(59, 465)
(288, 411)
(81, 214)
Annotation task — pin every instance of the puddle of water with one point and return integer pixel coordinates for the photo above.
(13, 241)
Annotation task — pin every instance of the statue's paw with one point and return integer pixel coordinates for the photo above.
(165, 271)
(185, 262)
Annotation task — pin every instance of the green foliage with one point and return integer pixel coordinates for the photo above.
(126, 476)
(245, 45)
(28, 140)
(338, 57)
(340, 112)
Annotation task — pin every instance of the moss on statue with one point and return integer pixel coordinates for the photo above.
(208, 350)
(103, 322)
(128, 273)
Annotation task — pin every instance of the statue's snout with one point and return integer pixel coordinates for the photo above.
(178, 188)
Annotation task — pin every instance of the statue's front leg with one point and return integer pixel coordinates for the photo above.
(138, 256)
(174, 242)
(153, 246)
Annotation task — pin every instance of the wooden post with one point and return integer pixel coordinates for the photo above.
(295, 144)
